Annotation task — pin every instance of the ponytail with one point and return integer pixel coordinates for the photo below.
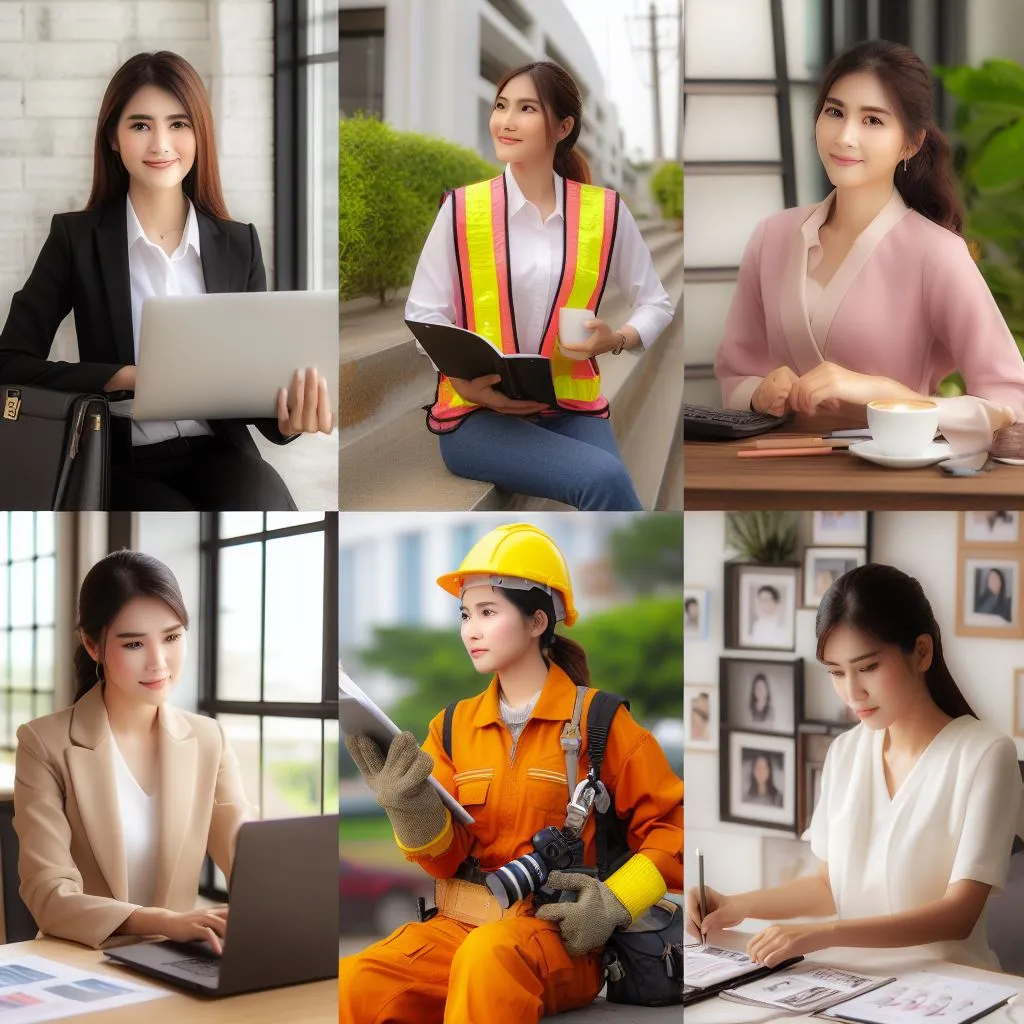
(571, 164)
(570, 657)
(87, 673)
(928, 184)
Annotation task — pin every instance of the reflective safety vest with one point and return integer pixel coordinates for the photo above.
(483, 288)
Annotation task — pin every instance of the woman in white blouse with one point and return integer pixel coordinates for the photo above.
(567, 453)
(118, 798)
(919, 803)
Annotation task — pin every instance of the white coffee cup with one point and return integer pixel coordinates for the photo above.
(903, 428)
(571, 330)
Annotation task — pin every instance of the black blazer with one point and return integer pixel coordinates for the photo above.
(83, 266)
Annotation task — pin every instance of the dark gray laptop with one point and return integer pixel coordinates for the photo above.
(283, 924)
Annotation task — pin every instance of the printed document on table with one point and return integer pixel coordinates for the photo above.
(704, 966)
(34, 989)
(359, 716)
(806, 987)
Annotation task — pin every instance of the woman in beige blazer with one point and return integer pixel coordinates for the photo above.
(87, 874)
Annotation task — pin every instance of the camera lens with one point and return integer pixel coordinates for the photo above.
(517, 879)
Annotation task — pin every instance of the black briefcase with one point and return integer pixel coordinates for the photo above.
(54, 450)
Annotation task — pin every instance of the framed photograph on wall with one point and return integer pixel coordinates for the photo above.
(989, 588)
(1018, 702)
(761, 695)
(696, 612)
(758, 779)
(841, 529)
(1002, 527)
(823, 566)
(760, 606)
(700, 718)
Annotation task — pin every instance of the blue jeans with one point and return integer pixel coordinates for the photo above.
(569, 457)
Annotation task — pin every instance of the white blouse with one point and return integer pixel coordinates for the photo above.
(139, 826)
(535, 251)
(953, 818)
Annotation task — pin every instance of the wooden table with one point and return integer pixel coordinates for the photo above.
(312, 1003)
(715, 478)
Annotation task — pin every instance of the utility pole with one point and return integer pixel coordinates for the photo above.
(679, 97)
(659, 148)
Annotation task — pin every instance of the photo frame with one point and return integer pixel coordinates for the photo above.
(700, 718)
(989, 592)
(1018, 702)
(760, 606)
(823, 566)
(1000, 527)
(841, 529)
(761, 695)
(811, 747)
(696, 613)
(757, 782)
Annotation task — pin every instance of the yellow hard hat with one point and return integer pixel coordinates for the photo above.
(517, 554)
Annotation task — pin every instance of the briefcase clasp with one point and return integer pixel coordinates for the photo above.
(12, 404)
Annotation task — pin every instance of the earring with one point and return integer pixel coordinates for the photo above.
(99, 673)
(904, 165)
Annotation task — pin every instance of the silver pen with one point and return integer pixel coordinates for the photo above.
(703, 893)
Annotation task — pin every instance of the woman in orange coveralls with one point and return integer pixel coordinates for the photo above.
(508, 770)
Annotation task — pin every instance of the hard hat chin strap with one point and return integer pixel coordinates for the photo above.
(515, 583)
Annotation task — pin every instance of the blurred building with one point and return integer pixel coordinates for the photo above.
(431, 66)
(750, 79)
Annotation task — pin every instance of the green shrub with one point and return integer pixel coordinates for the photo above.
(667, 190)
(390, 183)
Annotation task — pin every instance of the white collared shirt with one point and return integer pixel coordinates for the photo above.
(153, 273)
(139, 828)
(535, 251)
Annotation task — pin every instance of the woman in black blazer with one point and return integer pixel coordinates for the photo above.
(155, 224)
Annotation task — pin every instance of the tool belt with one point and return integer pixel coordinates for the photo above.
(468, 902)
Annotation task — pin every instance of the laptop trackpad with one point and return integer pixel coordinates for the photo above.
(192, 962)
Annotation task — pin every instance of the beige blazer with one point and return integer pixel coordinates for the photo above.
(74, 877)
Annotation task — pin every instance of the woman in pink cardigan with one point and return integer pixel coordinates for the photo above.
(873, 293)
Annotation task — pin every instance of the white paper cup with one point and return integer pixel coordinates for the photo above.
(571, 330)
(903, 428)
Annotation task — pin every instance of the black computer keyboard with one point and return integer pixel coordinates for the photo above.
(703, 423)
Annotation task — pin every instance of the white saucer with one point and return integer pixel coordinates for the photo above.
(937, 451)
(1009, 462)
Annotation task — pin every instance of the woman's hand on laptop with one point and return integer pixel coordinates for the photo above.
(305, 407)
(123, 380)
(190, 926)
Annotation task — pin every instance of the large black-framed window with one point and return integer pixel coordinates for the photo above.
(269, 644)
(305, 144)
(28, 612)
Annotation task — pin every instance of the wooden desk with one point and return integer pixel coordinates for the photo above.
(884, 963)
(715, 478)
(313, 1003)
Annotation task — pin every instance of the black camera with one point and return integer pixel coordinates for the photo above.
(552, 851)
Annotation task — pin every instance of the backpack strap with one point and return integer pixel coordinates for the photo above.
(446, 729)
(572, 740)
(612, 844)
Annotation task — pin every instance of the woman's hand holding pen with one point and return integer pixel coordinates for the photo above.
(481, 391)
(782, 941)
(722, 912)
(305, 406)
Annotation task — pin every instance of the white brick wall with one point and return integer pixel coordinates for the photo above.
(56, 57)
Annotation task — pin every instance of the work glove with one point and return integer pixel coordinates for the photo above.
(589, 921)
(400, 783)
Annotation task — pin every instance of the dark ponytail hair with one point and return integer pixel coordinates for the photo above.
(928, 185)
(889, 606)
(559, 95)
(568, 655)
(108, 586)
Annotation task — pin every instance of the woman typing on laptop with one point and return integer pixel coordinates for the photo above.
(118, 798)
(155, 224)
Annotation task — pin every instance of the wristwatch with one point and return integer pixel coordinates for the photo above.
(621, 345)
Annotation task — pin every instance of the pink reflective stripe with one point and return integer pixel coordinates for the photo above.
(572, 236)
(463, 251)
(606, 245)
(508, 342)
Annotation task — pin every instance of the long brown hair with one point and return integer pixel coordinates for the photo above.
(174, 74)
(108, 586)
(568, 655)
(928, 185)
(889, 606)
(559, 95)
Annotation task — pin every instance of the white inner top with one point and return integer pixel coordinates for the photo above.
(154, 273)
(139, 827)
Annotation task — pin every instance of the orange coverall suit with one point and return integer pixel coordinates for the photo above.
(516, 969)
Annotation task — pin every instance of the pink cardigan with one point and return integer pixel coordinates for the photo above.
(907, 303)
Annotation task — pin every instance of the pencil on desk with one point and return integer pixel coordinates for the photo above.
(765, 453)
(801, 442)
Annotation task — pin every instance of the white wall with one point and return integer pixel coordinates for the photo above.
(995, 28)
(923, 544)
(56, 57)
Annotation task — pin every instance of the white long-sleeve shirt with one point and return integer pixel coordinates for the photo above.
(535, 250)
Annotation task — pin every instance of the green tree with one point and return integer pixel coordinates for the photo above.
(667, 190)
(648, 553)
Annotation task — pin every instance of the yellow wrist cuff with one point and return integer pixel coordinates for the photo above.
(438, 845)
(637, 885)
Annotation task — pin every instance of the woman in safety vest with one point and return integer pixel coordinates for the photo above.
(475, 961)
(503, 257)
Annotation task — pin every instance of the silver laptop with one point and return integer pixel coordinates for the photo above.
(283, 923)
(224, 356)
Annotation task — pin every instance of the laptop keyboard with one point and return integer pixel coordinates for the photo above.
(204, 968)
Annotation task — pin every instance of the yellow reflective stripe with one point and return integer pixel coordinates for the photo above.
(482, 269)
(579, 389)
(438, 845)
(588, 250)
(449, 398)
